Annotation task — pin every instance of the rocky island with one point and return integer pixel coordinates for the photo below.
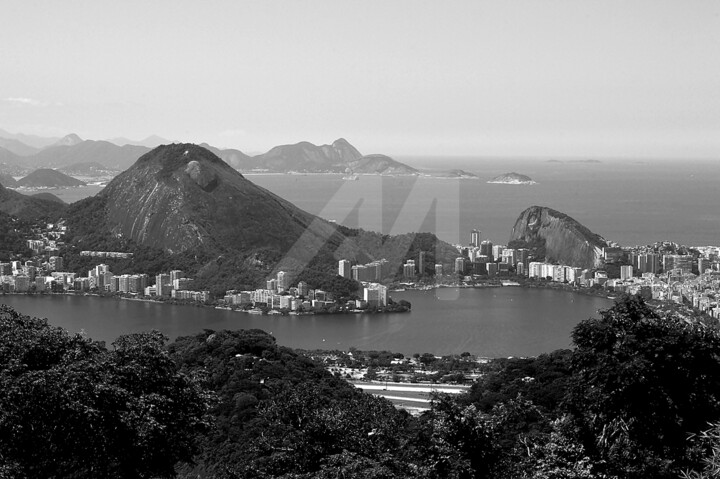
(513, 179)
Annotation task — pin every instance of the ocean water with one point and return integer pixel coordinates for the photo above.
(629, 202)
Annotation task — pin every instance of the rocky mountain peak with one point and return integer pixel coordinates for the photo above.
(69, 140)
(565, 240)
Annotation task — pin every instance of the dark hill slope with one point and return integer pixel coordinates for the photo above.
(49, 197)
(28, 207)
(7, 181)
(48, 178)
(565, 240)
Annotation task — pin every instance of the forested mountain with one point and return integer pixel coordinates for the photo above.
(183, 200)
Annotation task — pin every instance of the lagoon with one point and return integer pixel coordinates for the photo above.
(488, 322)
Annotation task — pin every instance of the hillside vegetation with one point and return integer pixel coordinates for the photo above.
(624, 403)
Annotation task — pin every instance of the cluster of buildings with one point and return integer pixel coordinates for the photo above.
(374, 271)
(482, 257)
(279, 295)
(22, 277)
(30, 276)
(663, 271)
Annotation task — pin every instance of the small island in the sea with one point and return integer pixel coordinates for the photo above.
(513, 179)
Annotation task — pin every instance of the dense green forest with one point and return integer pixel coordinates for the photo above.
(638, 396)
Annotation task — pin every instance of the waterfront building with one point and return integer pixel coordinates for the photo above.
(375, 271)
(63, 279)
(421, 263)
(163, 285)
(459, 265)
(480, 267)
(375, 294)
(282, 281)
(22, 283)
(508, 256)
(497, 250)
(124, 283)
(271, 285)
(486, 249)
(522, 255)
(302, 289)
(55, 263)
(182, 283)
(492, 268)
(475, 237)
(438, 269)
(175, 274)
(5, 269)
(358, 272)
(344, 268)
(409, 269)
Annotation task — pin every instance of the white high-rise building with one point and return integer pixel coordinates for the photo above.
(344, 268)
(475, 237)
(626, 272)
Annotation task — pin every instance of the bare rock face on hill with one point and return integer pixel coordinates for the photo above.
(565, 240)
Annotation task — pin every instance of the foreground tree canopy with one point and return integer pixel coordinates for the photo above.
(69, 407)
(637, 396)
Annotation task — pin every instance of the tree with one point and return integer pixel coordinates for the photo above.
(641, 383)
(72, 408)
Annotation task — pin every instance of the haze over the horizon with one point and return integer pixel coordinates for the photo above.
(468, 77)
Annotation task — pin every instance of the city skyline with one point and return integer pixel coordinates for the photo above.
(531, 79)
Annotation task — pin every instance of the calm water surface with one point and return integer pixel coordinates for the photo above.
(489, 322)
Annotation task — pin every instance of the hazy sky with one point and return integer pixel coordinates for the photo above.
(486, 78)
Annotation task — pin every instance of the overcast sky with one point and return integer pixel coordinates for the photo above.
(483, 78)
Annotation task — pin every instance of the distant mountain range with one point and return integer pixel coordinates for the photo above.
(18, 158)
